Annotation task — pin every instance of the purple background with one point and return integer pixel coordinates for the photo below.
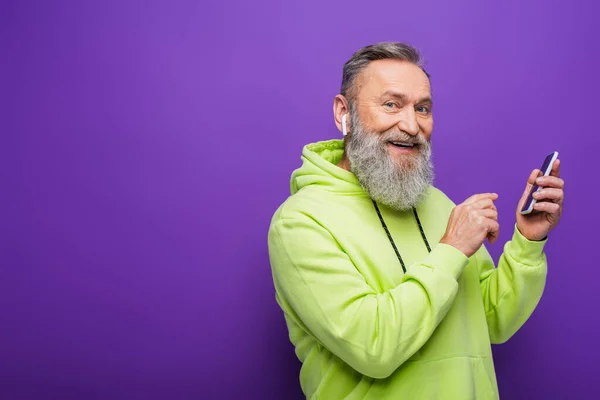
(145, 146)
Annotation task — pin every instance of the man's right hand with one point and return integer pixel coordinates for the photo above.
(471, 222)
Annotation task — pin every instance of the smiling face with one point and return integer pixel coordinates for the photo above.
(388, 147)
(393, 100)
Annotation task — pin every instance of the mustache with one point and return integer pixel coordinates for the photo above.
(400, 136)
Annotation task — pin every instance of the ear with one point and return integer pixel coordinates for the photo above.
(340, 113)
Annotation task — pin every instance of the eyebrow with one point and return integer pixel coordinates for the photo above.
(402, 96)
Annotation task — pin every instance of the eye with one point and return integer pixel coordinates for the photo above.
(390, 105)
(423, 110)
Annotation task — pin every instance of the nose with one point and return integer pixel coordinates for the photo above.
(408, 121)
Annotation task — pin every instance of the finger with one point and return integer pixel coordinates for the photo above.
(555, 168)
(530, 182)
(550, 181)
(533, 176)
(483, 204)
(545, 206)
(483, 217)
(493, 230)
(549, 194)
(480, 196)
(490, 213)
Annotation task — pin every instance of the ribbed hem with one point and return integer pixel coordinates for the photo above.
(447, 258)
(525, 251)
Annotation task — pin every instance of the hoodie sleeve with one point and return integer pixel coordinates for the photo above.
(373, 332)
(512, 291)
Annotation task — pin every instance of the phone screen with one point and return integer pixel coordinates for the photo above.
(545, 171)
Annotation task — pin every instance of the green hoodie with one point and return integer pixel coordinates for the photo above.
(365, 330)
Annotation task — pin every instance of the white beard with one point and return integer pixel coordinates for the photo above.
(400, 184)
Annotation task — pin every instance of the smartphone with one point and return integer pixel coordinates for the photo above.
(546, 168)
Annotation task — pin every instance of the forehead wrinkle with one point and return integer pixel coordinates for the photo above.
(389, 80)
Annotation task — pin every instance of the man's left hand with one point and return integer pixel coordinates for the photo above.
(548, 208)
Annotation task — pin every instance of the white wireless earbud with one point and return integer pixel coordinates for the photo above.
(344, 129)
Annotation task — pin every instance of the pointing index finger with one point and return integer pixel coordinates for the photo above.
(481, 196)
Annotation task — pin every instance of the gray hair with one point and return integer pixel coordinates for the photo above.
(378, 51)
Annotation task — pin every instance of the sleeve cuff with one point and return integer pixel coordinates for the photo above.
(447, 258)
(526, 251)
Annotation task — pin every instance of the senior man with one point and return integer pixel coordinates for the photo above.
(386, 286)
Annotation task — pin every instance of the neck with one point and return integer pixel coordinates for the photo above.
(344, 162)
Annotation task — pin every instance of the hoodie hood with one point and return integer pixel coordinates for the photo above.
(319, 167)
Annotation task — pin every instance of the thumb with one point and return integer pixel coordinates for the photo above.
(533, 176)
(530, 182)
